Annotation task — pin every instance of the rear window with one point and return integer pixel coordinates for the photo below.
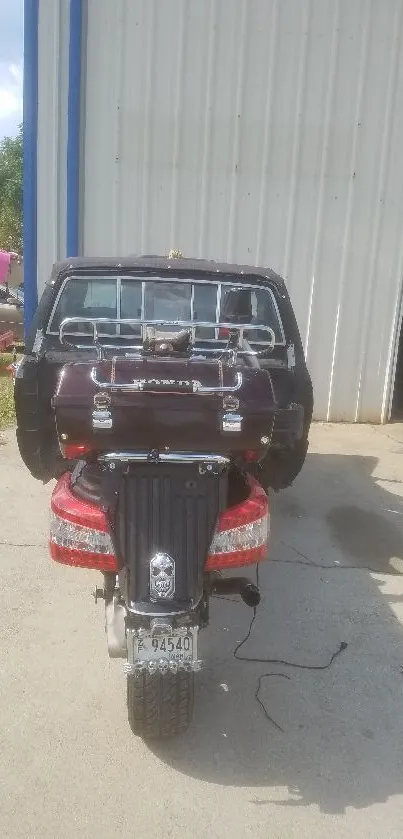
(93, 298)
(162, 300)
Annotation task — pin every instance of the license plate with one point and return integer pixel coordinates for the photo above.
(177, 648)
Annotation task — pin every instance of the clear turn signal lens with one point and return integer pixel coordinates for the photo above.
(242, 532)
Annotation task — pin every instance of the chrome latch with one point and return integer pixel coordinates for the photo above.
(230, 403)
(102, 419)
(101, 415)
(231, 423)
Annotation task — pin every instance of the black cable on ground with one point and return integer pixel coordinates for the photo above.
(279, 661)
(260, 701)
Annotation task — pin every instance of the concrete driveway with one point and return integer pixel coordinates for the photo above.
(69, 766)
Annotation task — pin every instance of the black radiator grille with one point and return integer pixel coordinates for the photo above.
(170, 509)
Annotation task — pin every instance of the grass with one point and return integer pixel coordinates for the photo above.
(6, 358)
(7, 412)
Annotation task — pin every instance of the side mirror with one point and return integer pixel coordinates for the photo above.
(11, 301)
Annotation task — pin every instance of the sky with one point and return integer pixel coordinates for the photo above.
(11, 62)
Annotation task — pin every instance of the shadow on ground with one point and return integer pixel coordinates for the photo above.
(342, 738)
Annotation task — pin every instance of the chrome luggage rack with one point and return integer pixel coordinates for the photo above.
(237, 343)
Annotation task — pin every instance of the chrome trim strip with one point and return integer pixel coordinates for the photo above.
(164, 457)
(162, 666)
(143, 299)
(118, 304)
(192, 308)
(55, 305)
(132, 610)
(218, 310)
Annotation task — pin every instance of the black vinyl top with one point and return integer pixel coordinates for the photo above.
(161, 263)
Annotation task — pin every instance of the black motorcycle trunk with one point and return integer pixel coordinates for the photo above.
(165, 413)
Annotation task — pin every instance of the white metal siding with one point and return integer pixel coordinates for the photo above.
(261, 131)
(52, 134)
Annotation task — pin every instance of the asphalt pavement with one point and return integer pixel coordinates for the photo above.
(322, 758)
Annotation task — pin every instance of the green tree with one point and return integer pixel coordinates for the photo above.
(11, 193)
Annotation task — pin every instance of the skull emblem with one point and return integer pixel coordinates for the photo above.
(162, 577)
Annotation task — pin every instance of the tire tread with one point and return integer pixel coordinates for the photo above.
(160, 705)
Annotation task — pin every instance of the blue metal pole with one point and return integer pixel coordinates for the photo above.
(73, 131)
(30, 142)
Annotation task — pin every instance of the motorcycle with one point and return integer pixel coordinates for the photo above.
(164, 439)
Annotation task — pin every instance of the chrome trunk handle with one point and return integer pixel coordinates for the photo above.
(222, 389)
(166, 386)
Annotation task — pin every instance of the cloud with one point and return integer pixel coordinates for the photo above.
(17, 74)
(10, 98)
(11, 58)
(11, 31)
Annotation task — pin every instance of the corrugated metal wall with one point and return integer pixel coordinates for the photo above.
(262, 131)
(52, 133)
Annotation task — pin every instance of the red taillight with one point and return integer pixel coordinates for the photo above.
(255, 507)
(79, 531)
(242, 532)
(73, 451)
(67, 506)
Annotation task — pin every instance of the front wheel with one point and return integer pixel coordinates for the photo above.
(160, 705)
